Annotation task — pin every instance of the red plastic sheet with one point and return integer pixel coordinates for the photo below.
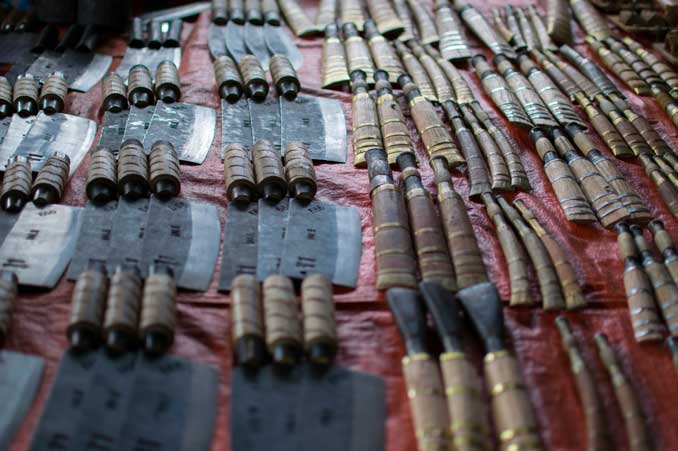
(369, 339)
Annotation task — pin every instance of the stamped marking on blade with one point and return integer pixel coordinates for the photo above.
(190, 128)
(319, 123)
(72, 135)
(322, 238)
(113, 130)
(41, 244)
(138, 122)
(271, 230)
(216, 40)
(256, 43)
(239, 254)
(235, 41)
(278, 41)
(20, 376)
(236, 124)
(266, 123)
(129, 226)
(204, 250)
(94, 240)
(17, 130)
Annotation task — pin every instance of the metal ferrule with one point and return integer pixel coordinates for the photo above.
(25, 96)
(299, 171)
(16, 184)
(157, 321)
(269, 171)
(284, 334)
(227, 75)
(49, 185)
(453, 45)
(114, 93)
(140, 86)
(102, 177)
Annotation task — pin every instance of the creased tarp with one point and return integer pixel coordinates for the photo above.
(369, 340)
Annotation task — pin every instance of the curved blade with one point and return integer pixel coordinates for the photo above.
(149, 58)
(41, 244)
(256, 43)
(317, 122)
(235, 41)
(279, 42)
(216, 40)
(94, 71)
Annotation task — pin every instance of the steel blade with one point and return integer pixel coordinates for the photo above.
(239, 255)
(236, 124)
(190, 128)
(4, 128)
(235, 41)
(72, 135)
(322, 238)
(41, 244)
(95, 71)
(178, 12)
(266, 124)
(216, 40)
(204, 250)
(129, 225)
(45, 64)
(16, 47)
(255, 42)
(21, 68)
(317, 122)
(271, 230)
(72, 64)
(149, 58)
(138, 122)
(113, 130)
(356, 403)
(7, 221)
(20, 376)
(94, 240)
(17, 130)
(280, 42)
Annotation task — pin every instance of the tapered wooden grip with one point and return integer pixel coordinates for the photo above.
(366, 132)
(334, 69)
(605, 129)
(469, 422)
(478, 175)
(396, 135)
(417, 71)
(629, 133)
(516, 169)
(649, 134)
(427, 402)
(645, 320)
(396, 264)
(461, 239)
(665, 292)
(358, 57)
(498, 168)
(516, 261)
(514, 419)
(666, 189)
(434, 134)
(432, 254)
(634, 419)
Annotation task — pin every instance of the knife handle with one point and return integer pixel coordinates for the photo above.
(665, 244)
(665, 291)
(9, 287)
(173, 38)
(604, 128)
(247, 321)
(649, 134)
(366, 132)
(478, 173)
(254, 78)
(284, 77)
(466, 405)
(167, 84)
(634, 418)
(320, 328)
(396, 135)
(396, 264)
(158, 317)
(237, 11)
(461, 239)
(667, 190)
(351, 11)
(501, 178)
(49, 185)
(47, 39)
(219, 12)
(299, 171)
(227, 75)
(297, 19)
(433, 132)
(16, 184)
(358, 55)
(572, 200)
(647, 325)
(271, 12)
(427, 402)
(516, 260)
(425, 24)
(132, 170)
(121, 322)
(281, 314)
(253, 12)
(269, 171)
(516, 169)
(334, 68)
(140, 86)
(432, 254)
(512, 411)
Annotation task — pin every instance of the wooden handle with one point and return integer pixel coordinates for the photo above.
(465, 403)
(514, 419)
(667, 190)
(427, 403)
(334, 69)
(434, 134)
(396, 265)
(432, 254)
(605, 129)
(366, 132)
(516, 169)
(461, 239)
(665, 291)
(647, 325)
(501, 179)
(568, 278)
(649, 134)
(396, 135)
